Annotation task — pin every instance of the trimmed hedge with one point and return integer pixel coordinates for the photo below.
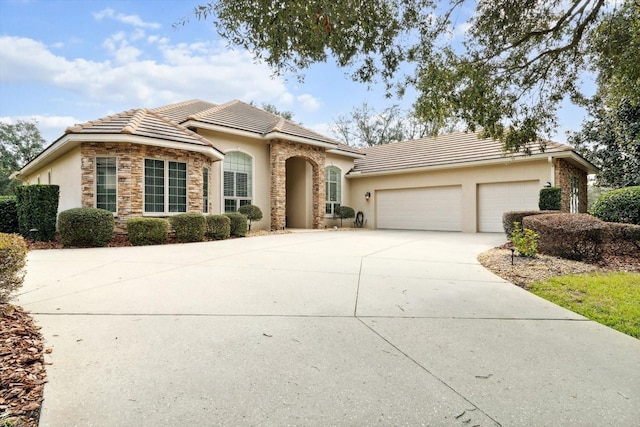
(189, 227)
(623, 238)
(85, 227)
(218, 227)
(238, 224)
(550, 199)
(344, 212)
(572, 236)
(252, 212)
(37, 207)
(508, 218)
(621, 205)
(13, 258)
(8, 215)
(147, 231)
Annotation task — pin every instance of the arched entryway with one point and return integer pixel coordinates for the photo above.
(297, 185)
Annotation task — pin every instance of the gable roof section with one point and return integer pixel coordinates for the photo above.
(451, 150)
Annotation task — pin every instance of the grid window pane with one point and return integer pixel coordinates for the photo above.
(230, 205)
(205, 190)
(237, 185)
(106, 183)
(154, 185)
(177, 187)
(332, 189)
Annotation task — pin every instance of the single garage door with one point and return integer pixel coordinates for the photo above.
(495, 199)
(433, 208)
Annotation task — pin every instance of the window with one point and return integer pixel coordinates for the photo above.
(238, 178)
(161, 198)
(106, 183)
(332, 189)
(575, 191)
(205, 190)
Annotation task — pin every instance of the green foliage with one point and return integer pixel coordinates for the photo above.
(218, 227)
(85, 227)
(13, 258)
(147, 231)
(238, 224)
(573, 236)
(550, 199)
(189, 227)
(621, 205)
(37, 210)
(252, 212)
(8, 215)
(612, 299)
(344, 212)
(19, 143)
(525, 241)
(511, 217)
(270, 108)
(516, 64)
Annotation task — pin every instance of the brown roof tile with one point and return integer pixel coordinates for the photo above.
(443, 150)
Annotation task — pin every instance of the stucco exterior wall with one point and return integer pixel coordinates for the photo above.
(468, 178)
(65, 172)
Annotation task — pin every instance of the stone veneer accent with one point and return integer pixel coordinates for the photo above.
(130, 174)
(563, 173)
(280, 151)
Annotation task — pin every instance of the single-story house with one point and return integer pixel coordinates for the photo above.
(196, 156)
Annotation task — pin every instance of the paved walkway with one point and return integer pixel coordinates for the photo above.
(316, 329)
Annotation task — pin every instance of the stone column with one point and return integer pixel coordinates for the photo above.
(278, 186)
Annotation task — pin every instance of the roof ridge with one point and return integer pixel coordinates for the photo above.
(278, 126)
(215, 109)
(180, 127)
(176, 105)
(135, 121)
(79, 126)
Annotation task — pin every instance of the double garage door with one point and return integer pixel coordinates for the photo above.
(440, 208)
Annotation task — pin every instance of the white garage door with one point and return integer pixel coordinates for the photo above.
(495, 199)
(433, 208)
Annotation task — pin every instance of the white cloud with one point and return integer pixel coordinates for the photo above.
(308, 102)
(134, 20)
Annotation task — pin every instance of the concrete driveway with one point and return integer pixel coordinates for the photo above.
(317, 329)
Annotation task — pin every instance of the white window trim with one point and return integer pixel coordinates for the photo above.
(95, 183)
(253, 177)
(340, 181)
(166, 188)
(207, 210)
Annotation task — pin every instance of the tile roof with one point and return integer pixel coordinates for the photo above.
(140, 122)
(443, 150)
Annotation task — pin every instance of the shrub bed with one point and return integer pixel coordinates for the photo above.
(508, 218)
(85, 227)
(189, 227)
(621, 205)
(147, 231)
(13, 257)
(8, 215)
(218, 227)
(572, 236)
(37, 207)
(238, 224)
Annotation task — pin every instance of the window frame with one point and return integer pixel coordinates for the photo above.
(165, 187)
(96, 184)
(205, 189)
(334, 203)
(250, 184)
(574, 194)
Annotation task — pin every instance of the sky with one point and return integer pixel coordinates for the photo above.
(64, 62)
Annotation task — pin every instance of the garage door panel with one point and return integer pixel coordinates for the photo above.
(432, 208)
(496, 198)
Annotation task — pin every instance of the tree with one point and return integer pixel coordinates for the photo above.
(518, 60)
(19, 143)
(270, 108)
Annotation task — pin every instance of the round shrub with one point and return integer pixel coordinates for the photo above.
(344, 212)
(572, 236)
(238, 224)
(189, 227)
(508, 218)
(88, 227)
(218, 227)
(13, 257)
(621, 205)
(252, 212)
(147, 231)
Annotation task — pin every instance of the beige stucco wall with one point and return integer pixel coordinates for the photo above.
(468, 178)
(259, 151)
(65, 172)
(345, 164)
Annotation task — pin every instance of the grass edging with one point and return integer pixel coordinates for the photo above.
(612, 299)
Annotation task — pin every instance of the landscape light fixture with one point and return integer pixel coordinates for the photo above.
(512, 252)
(367, 195)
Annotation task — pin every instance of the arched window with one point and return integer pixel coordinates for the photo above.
(333, 190)
(238, 178)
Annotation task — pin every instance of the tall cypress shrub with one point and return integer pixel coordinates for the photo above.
(37, 210)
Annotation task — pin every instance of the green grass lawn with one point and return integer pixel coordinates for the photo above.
(612, 299)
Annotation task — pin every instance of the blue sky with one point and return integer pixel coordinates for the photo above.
(66, 61)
